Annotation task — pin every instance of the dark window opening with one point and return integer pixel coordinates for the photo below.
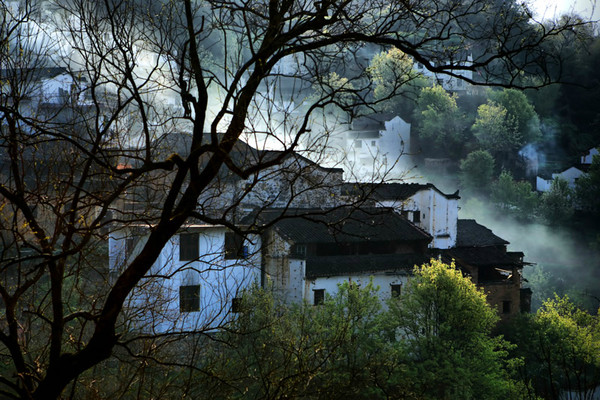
(396, 289)
(236, 305)
(234, 246)
(319, 296)
(299, 250)
(506, 307)
(417, 216)
(189, 246)
(189, 298)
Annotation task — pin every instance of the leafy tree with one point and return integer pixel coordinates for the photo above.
(496, 130)
(521, 111)
(587, 188)
(556, 205)
(476, 171)
(440, 123)
(338, 91)
(516, 197)
(560, 345)
(445, 324)
(335, 350)
(397, 83)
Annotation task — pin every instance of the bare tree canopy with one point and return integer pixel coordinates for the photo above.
(168, 102)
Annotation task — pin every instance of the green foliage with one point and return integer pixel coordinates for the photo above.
(561, 348)
(516, 197)
(434, 341)
(521, 111)
(445, 325)
(274, 351)
(396, 82)
(556, 205)
(476, 171)
(496, 130)
(588, 188)
(440, 123)
(335, 91)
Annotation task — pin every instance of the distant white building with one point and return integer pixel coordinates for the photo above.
(570, 175)
(375, 143)
(588, 157)
(423, 204)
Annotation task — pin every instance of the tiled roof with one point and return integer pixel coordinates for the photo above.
(340, 225)
(483, 257)
(242, 154)
(360, 264)
(391, 191)
(471, 234)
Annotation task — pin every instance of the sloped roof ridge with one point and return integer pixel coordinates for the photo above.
(398, 190)
(339, 224)
(470, 233)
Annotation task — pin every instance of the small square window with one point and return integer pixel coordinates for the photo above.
(396, 289)
(417, 216)
(319, 296)
(299, 250)
(234, 246)
(373, 143)
(189, 248)
(189, 298)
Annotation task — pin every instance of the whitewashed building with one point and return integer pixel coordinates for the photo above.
(570, 175)
(196, 281)
(310, 232)
(423, 204)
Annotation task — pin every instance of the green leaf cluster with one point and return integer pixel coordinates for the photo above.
(516, 197)
(440, 123)
(556, 205)
(560, 346)
(588, 188)
(433, 341)
(477, 171)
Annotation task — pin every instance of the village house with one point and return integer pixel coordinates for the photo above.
(308, 252)
(483, 257)
(571, 174)
(300, 232)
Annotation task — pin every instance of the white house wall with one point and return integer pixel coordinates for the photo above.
(570, 175)
(154, 304)
(438, 215)
(381, 280)
(284, 275)
(542, 185)
(589, 156)
(381, 153)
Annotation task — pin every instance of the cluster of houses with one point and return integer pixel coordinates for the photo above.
(300, 230)
(570, 175)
